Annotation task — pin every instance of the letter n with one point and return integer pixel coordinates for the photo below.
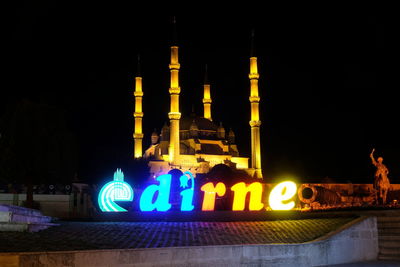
(241, 191)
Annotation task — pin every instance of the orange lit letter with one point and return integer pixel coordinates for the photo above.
(280, 194)
(241, 191)
(209, 195)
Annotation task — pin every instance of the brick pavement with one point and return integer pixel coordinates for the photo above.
(124, 235)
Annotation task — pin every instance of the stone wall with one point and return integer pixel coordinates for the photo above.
(75, 205)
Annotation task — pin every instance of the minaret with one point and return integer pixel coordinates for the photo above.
(255, 118)
(174, 114)
(207, 97)
(138, 114)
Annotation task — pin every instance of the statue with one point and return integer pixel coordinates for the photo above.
(381, 183)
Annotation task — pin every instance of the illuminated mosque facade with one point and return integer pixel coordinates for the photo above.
(195, 143)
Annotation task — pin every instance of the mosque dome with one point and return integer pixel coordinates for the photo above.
(202, 123)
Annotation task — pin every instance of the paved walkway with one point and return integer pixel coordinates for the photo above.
(124, 235)
(368, 264)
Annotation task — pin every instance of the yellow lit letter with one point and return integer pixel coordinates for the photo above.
(209, 195)
(281, 193)
(241, 191)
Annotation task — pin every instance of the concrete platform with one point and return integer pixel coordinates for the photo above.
(274, 243)
(368, 264)
(135, 235)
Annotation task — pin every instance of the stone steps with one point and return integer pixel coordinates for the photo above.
(19, 210)
(35, 227)
(389, 243)
(388, 231)
(385, 225)
(395, 251)
(384, 219)
(393, 237)
(6, 216)
(14, 218)
(23, 227)
(389, 237)
(384, 257)
(13, 227)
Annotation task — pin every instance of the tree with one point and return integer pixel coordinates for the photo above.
(36, 146)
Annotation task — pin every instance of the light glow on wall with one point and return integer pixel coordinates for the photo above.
(116, 190)
(281, 194)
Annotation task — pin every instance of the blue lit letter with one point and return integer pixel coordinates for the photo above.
(116, 190)
(162, 201)
(187, 195)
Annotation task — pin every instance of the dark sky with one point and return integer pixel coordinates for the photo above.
(327, 80)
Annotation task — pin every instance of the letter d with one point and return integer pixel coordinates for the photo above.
(162, 201)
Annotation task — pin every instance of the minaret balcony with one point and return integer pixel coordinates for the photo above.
(174, 115)
(254, 99)
(174, 66)
(254, 76)
(138, 136)
(255, 123)
(207, 101)
(138, 93)
(175, 91)
(138, 114)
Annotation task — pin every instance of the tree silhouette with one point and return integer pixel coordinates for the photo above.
(36, 146)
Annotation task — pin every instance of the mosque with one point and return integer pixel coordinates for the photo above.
(193, 143)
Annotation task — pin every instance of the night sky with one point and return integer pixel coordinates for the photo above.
(328, 81)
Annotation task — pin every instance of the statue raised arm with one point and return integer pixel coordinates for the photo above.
(372, 156)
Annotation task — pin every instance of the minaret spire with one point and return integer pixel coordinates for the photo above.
(206, 74)
(174, 32)
(138, 114)
(138, 67)
(252, 49)
(255, 122)
(207, 96)
(174, 91)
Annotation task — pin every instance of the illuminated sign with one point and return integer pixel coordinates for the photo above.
(241, 190)
(210, 192)
(282, 193)
(164, 188)
(156, 197)
(116, 190)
